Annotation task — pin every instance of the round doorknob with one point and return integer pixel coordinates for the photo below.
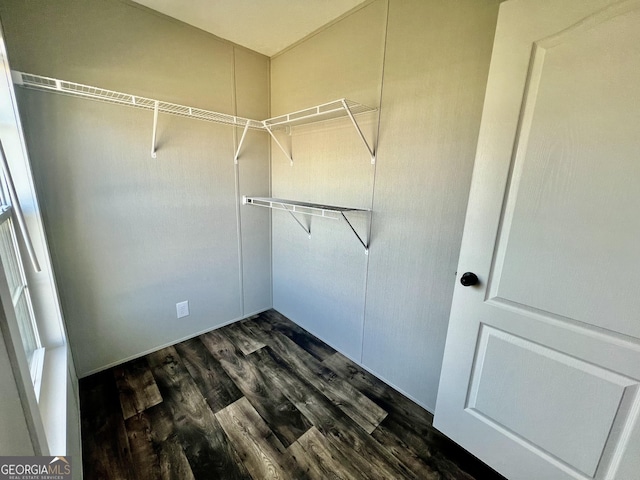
(468, 279)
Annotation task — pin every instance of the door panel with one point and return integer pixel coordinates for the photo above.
(542, 362)
(513, 376)
(572, 205)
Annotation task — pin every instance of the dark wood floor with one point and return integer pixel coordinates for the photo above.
(259, 399)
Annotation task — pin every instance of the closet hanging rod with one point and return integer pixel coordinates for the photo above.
(39, 82)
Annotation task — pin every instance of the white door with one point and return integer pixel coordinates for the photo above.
(541, 368)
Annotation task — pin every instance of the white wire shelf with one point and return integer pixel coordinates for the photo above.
(320, 113)
(39, 82)
(327, 111)
(314, 209)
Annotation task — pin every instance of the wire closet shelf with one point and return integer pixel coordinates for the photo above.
(292, 207)
(327, 111)
(39, 82)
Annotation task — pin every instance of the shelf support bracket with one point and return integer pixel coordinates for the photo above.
(288, 155)
(308, 230)
(366, 247)
(357, 127)
(155, 127)
(244, 133)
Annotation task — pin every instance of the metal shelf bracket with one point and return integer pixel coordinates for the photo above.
(307, 230)
(244, 133)
(155, 128)
(370, 148)
(365, 245)
(275, 139)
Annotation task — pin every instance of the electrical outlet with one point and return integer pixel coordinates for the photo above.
(182, 309)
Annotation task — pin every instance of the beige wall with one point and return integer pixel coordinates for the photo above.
(130, 235)
(388, 310)
(319, 281)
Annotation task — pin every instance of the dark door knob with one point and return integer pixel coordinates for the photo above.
(468, 279)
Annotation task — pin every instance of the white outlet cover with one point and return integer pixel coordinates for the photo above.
(182, 309)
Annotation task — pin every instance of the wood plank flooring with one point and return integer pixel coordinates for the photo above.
(259, 399)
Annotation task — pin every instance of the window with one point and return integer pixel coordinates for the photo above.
(20, 298)
(43, 380)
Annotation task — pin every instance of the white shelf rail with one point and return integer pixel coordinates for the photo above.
(327, 111)
(39, 82)
(313, 209)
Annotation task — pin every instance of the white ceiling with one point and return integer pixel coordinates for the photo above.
(266, 26)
